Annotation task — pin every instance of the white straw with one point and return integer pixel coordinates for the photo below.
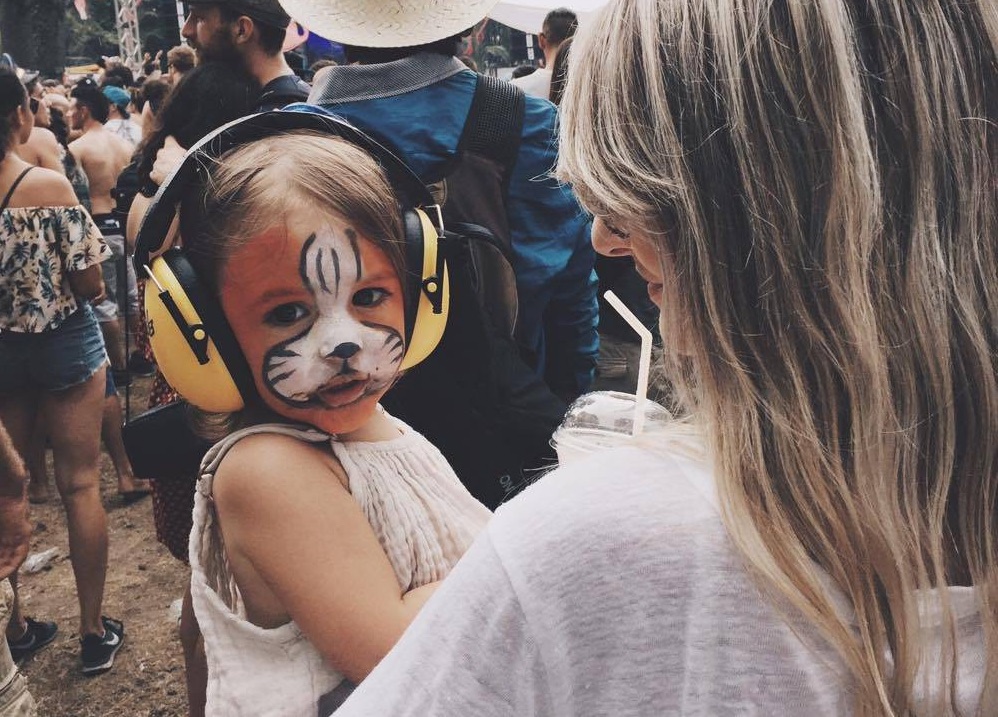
(644, 366)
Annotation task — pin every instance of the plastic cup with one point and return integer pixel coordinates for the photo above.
(602, 420)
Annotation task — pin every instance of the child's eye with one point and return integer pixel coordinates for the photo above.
(286, 314)
(369, 297)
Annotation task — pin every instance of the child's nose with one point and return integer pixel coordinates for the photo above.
(344, 350)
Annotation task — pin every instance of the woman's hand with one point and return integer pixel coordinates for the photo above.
(167, 160)
(88, 284)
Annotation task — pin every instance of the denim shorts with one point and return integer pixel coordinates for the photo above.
(52, 360)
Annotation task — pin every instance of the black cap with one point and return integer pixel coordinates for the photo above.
(268, 12)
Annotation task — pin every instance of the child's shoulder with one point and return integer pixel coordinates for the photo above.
(271, 460)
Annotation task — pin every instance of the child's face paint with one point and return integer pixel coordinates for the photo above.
(318, 311)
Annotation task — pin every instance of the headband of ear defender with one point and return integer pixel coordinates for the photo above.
(190, 337)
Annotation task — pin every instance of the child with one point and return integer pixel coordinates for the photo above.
(322, 524)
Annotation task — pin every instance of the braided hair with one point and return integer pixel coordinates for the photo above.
(12, 96)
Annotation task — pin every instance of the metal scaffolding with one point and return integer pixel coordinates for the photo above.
(126, 13)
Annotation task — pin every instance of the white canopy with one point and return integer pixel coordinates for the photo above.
(528, 15)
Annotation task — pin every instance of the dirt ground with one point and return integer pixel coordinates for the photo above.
(143, 581)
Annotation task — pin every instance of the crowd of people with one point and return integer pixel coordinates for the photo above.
(368, 303)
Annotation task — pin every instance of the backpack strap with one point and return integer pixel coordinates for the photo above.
(13, 188)
(494, 125)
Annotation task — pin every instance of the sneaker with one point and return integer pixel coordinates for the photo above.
(139, 366)
(97, 652)
(37, 635)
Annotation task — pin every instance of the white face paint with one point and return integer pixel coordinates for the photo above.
(343, 355)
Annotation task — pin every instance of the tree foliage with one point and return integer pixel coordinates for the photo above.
(33, 32)
(48, 34)
(91, 38)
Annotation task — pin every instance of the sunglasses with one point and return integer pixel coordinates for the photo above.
(33, 104)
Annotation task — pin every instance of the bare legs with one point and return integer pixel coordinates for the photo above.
(72, 418)
(114, 341)
(128, 485)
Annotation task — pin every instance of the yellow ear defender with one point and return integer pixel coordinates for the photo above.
(190, 337)
(429, 298)
(198, 358)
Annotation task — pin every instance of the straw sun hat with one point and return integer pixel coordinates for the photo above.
(387, 23)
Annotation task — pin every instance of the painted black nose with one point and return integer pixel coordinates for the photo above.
(345, 350)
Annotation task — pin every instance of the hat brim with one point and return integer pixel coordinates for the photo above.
(387, 23)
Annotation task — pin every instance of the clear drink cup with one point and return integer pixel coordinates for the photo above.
(601, 420)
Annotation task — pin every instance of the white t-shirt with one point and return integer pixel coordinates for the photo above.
(126, 129)
(611, 588)
(537, 83)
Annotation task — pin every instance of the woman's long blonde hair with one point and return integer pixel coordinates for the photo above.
(822, 175)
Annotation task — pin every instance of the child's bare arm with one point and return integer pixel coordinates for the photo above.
(300, 546)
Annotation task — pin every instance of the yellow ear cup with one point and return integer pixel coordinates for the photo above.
(208, 386)
(429, 326)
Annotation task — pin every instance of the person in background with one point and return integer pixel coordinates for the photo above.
(151, 65)
(41, 149)
(320, 64)
(39, 485)
(103, 155)
(559, 71)
(523, 70)
(249, 34)
(559, 25)
(152, 96)
(116, 74)
(52, 361)
(811, 190)
(71, 168)
(179, 61)
(119, 119)
(53, 86)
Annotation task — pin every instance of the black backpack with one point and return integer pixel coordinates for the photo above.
(475, 397)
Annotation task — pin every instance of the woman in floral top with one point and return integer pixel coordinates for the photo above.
(53, 362)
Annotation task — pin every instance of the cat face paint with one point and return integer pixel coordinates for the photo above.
(318, 312)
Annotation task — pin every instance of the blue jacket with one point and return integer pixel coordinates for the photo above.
(419, 104)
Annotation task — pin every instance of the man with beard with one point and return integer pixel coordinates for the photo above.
(250, 34)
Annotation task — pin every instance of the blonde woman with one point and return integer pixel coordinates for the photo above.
(809, 187)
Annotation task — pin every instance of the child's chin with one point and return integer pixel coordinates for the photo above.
(335, 420)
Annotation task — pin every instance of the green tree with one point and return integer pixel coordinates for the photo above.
(33, 32)
(89, 39)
